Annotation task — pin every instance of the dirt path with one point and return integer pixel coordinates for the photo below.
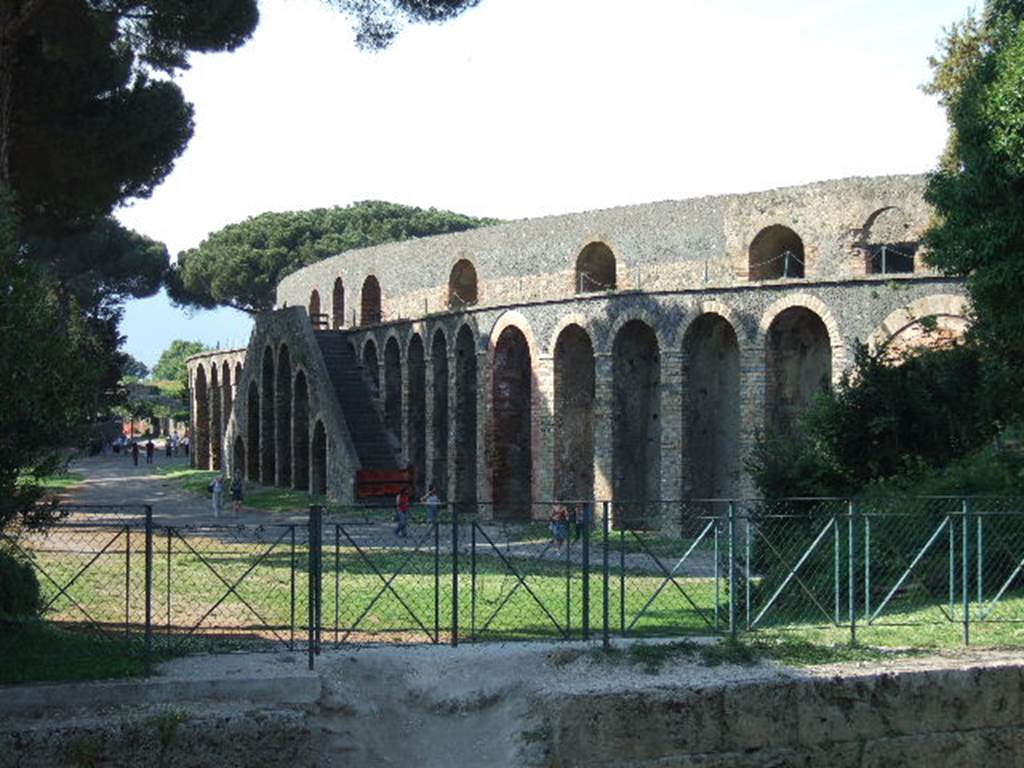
(116, 480)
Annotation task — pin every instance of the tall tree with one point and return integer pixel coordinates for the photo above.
(171, 365)
(978, 191)
(378, 22)
(240, 265)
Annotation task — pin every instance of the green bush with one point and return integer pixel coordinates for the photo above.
(19, 589)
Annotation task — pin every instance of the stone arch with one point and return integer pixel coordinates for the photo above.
(371, 367)
(267, 423)
(318, 475)
(370, 302)
(393, 388)
(636, 425)
(300, 432)
(216, 413)
(927, 323)
(646, 317)
(465, 419)
(776, 252)
(512, 424)
(417, 439)
(283, 416)
(819, 308)
(227, 397)
(888, 242)
(595, 268)
(338, 304)
(462, 285)
(439, 414)
(574, 415)
(798, 364)
(201, 429)
(315, 317)
(711, 408)
(252, 470)
(238, 457)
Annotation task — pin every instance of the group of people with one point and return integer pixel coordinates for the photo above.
(236, 490)
(404, 500)
(131, 449)
(580, 514)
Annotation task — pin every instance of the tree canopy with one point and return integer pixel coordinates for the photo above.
(171, 365)
(240, 265)
(978, 191)
(378, 23)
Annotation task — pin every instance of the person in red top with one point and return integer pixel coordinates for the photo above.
(402, 512)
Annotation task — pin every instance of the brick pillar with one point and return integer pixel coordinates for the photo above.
(753, 382)
(671, 417)
(544, 432)
(428, 413)
(603, 408)
(452, 419)
(403, 409)
(483, 428)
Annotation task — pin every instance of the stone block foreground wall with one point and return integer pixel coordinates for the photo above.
(632, 355)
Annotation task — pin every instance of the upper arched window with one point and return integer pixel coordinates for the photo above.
(776, 252)
(462, 285)
(595, 269)
(338, 305)
(888, 242)
(315, 317)
(370, 305)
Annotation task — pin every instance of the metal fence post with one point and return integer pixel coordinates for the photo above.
(604, 579)
(437, 581)
(291, 636)
(732, 569)
(965, 568)
(149, 578)
(315, 520)
(455, 573)
(588, 515)
(851, 569)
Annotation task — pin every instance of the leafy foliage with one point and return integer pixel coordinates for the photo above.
(240, 265)
(171, 365)
(20, 597)
(378, 23)
(978, 192)
(883, 421)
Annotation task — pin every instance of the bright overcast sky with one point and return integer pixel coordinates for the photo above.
(522, 108)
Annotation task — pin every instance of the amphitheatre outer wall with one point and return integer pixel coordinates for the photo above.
(630, 354)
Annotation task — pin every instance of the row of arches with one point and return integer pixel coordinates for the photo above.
(798, 364)
(776, 252)
(214, 397)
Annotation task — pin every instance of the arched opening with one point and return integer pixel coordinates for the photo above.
(465, 420)
(462, 285)
(636, 425)
(888, 243)
(371, 368)
(711, 408)
(252, 471)
(225, 385)
(319, 460)
(511, 398)
(439, 415)
(776, 252)
(318, 320)
(370, 304)
(418, 412)
(284, 417)
(338, 304)
(201, 429)
(216, 411)
(300, 433)
(267, 442)
(595, 269)
(238, 458)
(393, 388)
(238, 376)
(799, 365)
(574, 415)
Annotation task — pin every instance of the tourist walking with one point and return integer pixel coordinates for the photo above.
(402, 513)
(184, 445)
(217, 489)
(150, 450)
(135, 453)
(433, 502)
(559, 526)
(237, 487)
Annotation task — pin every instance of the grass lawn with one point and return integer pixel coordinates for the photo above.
(55, 482)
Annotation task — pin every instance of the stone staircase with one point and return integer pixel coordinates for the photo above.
(376, 447)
